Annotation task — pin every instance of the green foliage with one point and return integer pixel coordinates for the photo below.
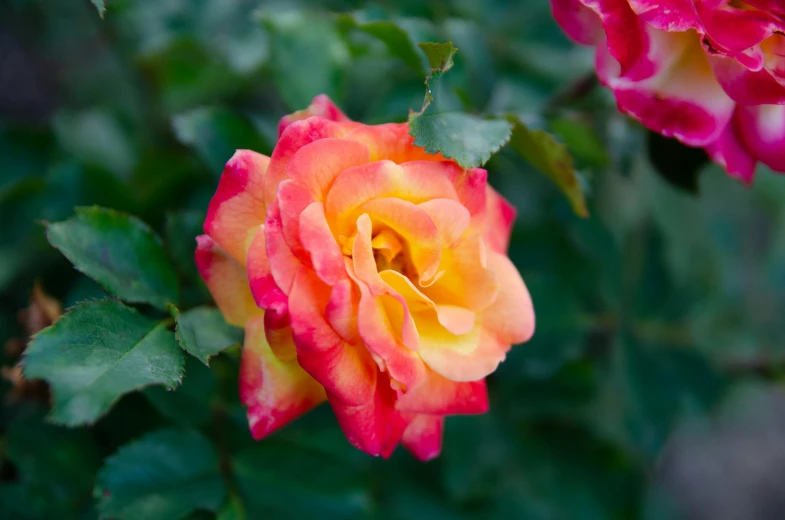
(552, 159)
(163, 475)
(203, 332)
(118, 251)
(97, 352)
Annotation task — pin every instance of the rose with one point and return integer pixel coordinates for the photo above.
(710, 73)
(382, 274)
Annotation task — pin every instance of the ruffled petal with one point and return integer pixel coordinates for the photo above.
(668, 15)
(321, 106)
(762, 130)
(237, 209)
(578, 21)
(226, 280)
(441, 396)
(346, 371)
(468, 357)
(375, 427)
(730, 153)
(283, 263)
(266, 292)
(450, 217)
(316, 237)
(745, 86)
(294, 137)
(275, 391)
(423, 436)
(316, 165)
(682, 100)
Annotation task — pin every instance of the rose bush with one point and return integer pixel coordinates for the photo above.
(710, 73)
(366, 273)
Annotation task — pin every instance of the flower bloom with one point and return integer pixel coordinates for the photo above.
(710, 73)
(366, 273)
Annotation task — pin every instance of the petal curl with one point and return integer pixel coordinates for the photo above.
(316, 165)
(468, 357)
(499, 220)
(729, 151)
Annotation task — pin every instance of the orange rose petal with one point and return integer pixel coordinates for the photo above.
(511, 316)
(294, 137)
(450, 217)
(423, 436)
(499, 220)
(383, 179)
(391, 141)
(341, 311)
(316, 165)
(238, 208)
(466, 357)
(275, 391)
(283, 263)
(321, 106)
(375, 427)
(467, 281)
(346, 371)
(414, 226)
(441, 396)
(266, 293)
(225, 278)
(316, 237)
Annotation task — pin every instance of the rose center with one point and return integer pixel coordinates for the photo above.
(391, 253)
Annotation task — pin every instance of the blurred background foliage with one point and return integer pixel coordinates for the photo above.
(650, 389)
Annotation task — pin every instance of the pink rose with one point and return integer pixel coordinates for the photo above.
(710, 73)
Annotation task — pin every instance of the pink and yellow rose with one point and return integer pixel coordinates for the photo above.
(366, 273)
(710, 73)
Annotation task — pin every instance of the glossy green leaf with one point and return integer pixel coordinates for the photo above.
(163, 475)
(215, 133)
(120, 252)
(97, 352)
(470, 140)
(203, 332)
(551, 158)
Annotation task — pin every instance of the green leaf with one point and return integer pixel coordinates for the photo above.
(551, 158)
(203, 332)
(162, 476)
(307, 55)
(468, 139)
(190, 404)
(97, 352)
(215, 133)
(440, 55)
(120, 252)
(394, 37)
(100, 5)
(280, 480)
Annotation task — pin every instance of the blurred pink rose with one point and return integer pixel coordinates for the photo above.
(710, 73)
